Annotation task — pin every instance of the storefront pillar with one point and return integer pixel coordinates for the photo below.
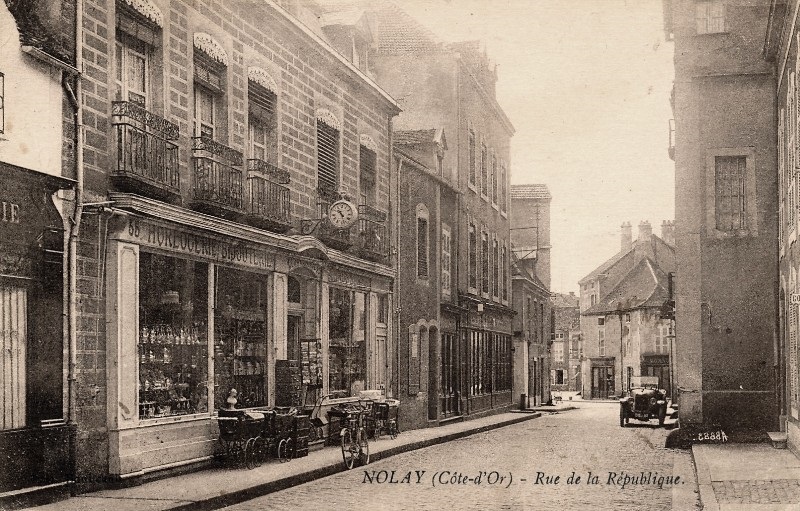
(373, 356)
(324, 333)
(121, 360)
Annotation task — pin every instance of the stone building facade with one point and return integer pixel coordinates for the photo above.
(567, 347)
(620, 305)
(219, 254)
(726, 127)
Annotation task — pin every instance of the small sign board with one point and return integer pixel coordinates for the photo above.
(716, 436)
(794, 298)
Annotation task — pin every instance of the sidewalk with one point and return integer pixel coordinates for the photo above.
(752, 477)
(221, 486)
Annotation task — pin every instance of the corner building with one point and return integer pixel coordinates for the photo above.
(218, 135)
(726, 213)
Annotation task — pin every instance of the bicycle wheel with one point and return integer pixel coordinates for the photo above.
(363, 448)
(283, 450)
(349, 449)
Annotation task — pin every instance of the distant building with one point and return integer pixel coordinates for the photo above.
(463, 365)
(530, 228)
(532, 336)
(620, 306)
(727, 209)
(567, 347)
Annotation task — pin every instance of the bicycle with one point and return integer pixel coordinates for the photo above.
(354, 437)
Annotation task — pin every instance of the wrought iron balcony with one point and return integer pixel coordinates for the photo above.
(372, 233)
(269, 206)
(321, 227)
(217, 179)
(147, 154)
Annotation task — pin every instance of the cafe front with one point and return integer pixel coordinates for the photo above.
(198, 306)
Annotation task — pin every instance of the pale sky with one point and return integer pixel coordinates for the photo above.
(586, 84)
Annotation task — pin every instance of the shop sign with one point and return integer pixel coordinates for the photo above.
(795, 298)
(349, 280)
(220, 250)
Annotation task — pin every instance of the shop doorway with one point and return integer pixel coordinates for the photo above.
(293, 323)
(602, 382)
(433, 377)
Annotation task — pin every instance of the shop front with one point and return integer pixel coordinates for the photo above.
(198, 316)
(487, 345)
(34, 435)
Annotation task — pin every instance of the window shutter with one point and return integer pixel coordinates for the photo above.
(327, 157)
(422, 247)
(13, 344)
(263, 103)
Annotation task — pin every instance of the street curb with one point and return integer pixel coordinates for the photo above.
(707, 497)
(260, 490)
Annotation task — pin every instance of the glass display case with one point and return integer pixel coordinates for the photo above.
(347, 349)
(240, 338)
(173, 341)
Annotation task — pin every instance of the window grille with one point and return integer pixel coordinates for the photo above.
(422, 247)
(730, 193)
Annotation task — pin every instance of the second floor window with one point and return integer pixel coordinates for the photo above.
(710, 17)
(262, 123)
(131, 63)
(494, 179)
(558, 351)
(446, 261)
(473, 257)
(484, 171)
(368, 165)
(730, 207)
(422, 247)
(485, 263)
(495, 269)
(504, 273)
(327, 156)
(472, 166)
(601, 340)
(204, 115)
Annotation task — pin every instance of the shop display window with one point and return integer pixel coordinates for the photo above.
(347, 334)
(173, 342)
(240, 337)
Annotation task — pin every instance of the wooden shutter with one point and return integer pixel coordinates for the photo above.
(13, 343)
(327, 157)
(422, 247)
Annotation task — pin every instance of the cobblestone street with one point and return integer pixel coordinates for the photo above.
(510, 462)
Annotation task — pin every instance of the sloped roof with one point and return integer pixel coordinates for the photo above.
(409, 137)
(644, 286)
(532, 191)
(564, 301)
(398, 32)
(34, 32)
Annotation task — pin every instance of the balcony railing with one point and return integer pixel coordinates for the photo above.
(671, 149)
(147, 155)
(217, 181)
(321, 227)
(269, 206)
(372, 233)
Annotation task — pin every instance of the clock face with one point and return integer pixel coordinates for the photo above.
(342, 214)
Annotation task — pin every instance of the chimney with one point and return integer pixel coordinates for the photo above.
(627, 236)
(645, 231)
(668, 232)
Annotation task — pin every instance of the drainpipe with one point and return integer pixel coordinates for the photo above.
(396, 375)
(74, 97)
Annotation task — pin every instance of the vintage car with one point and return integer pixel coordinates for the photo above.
(644, 401)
